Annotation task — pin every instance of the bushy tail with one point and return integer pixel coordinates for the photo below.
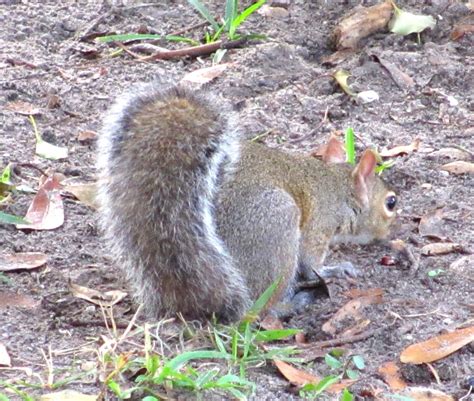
(163, 153)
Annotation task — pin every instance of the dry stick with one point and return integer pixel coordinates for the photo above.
(126, 50)
(344, 340)
(196, 51)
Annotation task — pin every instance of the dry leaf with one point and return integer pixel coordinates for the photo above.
(356, 329)
(68, 395)
(295, 376)
(401, 150)
(451, 153)
(85, 193)
(271, 322)
(391, 375)
(273, 12)
(12, 299)
(341, 77)
(431, 225)
(108, 298)
(22, 261)
(46, 212)
(84, 136)
(440, 248)
(205, 75)
(388, 260)
(437, 347)
(350, 312)
(335, 151)
(300, 338)
(24, 108)
(5, 359)
(427, 394)
(459, 167)
(370, 292)
(362, 22)
(402, 79)
(299, 377)
(460, 30)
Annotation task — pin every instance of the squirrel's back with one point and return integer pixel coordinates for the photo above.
(163, 153)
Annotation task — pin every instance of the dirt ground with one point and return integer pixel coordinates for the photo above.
(281, 88)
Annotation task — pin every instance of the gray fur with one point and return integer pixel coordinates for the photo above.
(158, 220)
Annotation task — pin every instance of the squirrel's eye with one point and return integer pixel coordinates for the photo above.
(391, 202)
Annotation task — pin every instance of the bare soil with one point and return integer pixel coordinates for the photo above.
(281, 88)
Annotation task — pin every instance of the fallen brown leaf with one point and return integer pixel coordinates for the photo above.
(271, 322)
(390, 373)
(22, 261)
(85, 193)
(362, 22)
(437, 347)
(459, 167)
(369, 292)
(388, 260)
(335, 151)
(46, 211)
(24, 108)
(273, 12)
(427, 394)
(12, 299)
(450, 153)
(460, 30)
(107, 299)
(356, 329)
(295, 376)
(440, 248)
(205, 75)
(300, 338)
(5, 359)
(431, 225)
(84, 136)
(401, 150)
(350, 313)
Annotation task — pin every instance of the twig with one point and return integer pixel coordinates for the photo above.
(32, 166)
(126, 50)
(344, 340)
(260, 136)
(313, 131)
(196, 51)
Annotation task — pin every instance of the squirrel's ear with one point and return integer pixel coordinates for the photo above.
(364, 176)
(335, 151)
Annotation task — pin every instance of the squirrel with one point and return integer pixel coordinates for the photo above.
(202, 222)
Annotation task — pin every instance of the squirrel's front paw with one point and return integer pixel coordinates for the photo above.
(342, 270)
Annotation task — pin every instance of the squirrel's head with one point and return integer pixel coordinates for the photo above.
(378, 203)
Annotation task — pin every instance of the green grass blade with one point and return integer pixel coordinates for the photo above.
(183, 39)
(243, 16)
(6, 218)
(181, 359)
(350, 146)
(230, 12)
(261, 302)
(273, 335)
(203, 10)
(127, 37)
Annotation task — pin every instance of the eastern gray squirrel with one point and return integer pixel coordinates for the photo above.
(202, 222)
